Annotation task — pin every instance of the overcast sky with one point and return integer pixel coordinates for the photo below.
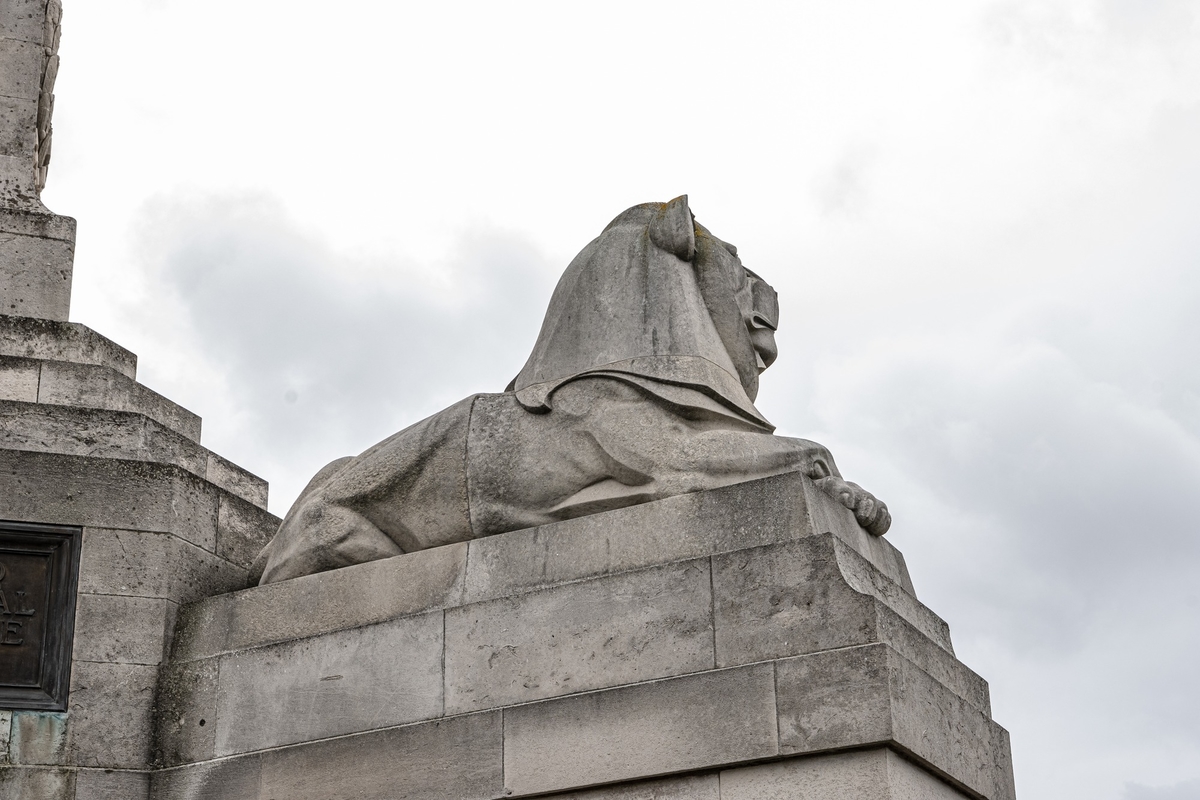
(316, 223)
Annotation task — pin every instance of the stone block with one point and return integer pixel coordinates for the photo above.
(870, 695)
(107, 493)
(877, 774)
(38, 737)
(147, 564)
(21, 64)
(53, 340)
(458, 757)
(611, 631)
(67, 384)
(35, 276)
(19, 379)
(186, 712)
(236, 481)
(785, 600)
(97, 433)
(690, 723)
(24, 20)
(906, 640)
(36, 783)
(862, 576)
(353, 597)
(816, 594)
(227, 779)
(5, 732)
(766, 511)
(243, 529)
(122, 630)
(110, 715)
(344, 682)
(108, 784)
(688, 787)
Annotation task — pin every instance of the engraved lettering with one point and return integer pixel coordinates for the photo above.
(21, 610)
(11, 628)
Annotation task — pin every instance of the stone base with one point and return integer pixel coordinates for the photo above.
(37, 252)
(752, 638)
(164, 522)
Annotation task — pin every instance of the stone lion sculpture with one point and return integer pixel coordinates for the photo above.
(640, 387)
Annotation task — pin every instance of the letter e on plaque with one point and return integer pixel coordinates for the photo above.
(39, 572)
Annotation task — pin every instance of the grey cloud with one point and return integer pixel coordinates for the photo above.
(325, 357)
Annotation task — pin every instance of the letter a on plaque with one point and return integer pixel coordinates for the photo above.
(39, 571)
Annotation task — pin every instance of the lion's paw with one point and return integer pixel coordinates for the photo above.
(872, 514)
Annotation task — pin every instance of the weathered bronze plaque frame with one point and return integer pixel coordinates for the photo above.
(39, 574)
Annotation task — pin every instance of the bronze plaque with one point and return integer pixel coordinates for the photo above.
(39, 571)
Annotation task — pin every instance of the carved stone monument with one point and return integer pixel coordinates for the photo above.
(641, 386)
(611, 581)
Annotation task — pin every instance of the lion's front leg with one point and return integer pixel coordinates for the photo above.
(872, 514)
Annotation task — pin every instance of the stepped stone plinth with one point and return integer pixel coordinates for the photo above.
(752, 638)
(158, 519)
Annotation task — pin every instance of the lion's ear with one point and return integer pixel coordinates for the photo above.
(673, 229)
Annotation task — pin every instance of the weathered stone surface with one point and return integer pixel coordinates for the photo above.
(872, 695)
(36, 783)
(242, 530)
(102, 433)
(236, 481)
(459, 757)
(690, 787)
(5, 732)
(94, 432)
(349, 681)
(186, 712)
(52, 340)
(22, 61)
(19, 379)
(779, 508)
(227, 779)
(107, 493)
(24, 20)
(689, 723)
(35, 269)
(122, 630)
(877, 774)
(18, 127)
(109, 715)
(38, 737)
(786, 600)
(906, 640)
(101, 784)
(364, 594)
(811, 595)
(147, 564)
(88, 386)
(620, 629)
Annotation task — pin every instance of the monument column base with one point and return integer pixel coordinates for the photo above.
(37, 251)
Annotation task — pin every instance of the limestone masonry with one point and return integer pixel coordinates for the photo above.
(691, 609)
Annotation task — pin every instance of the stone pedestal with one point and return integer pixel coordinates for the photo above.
(163, 521)
(751, 641)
